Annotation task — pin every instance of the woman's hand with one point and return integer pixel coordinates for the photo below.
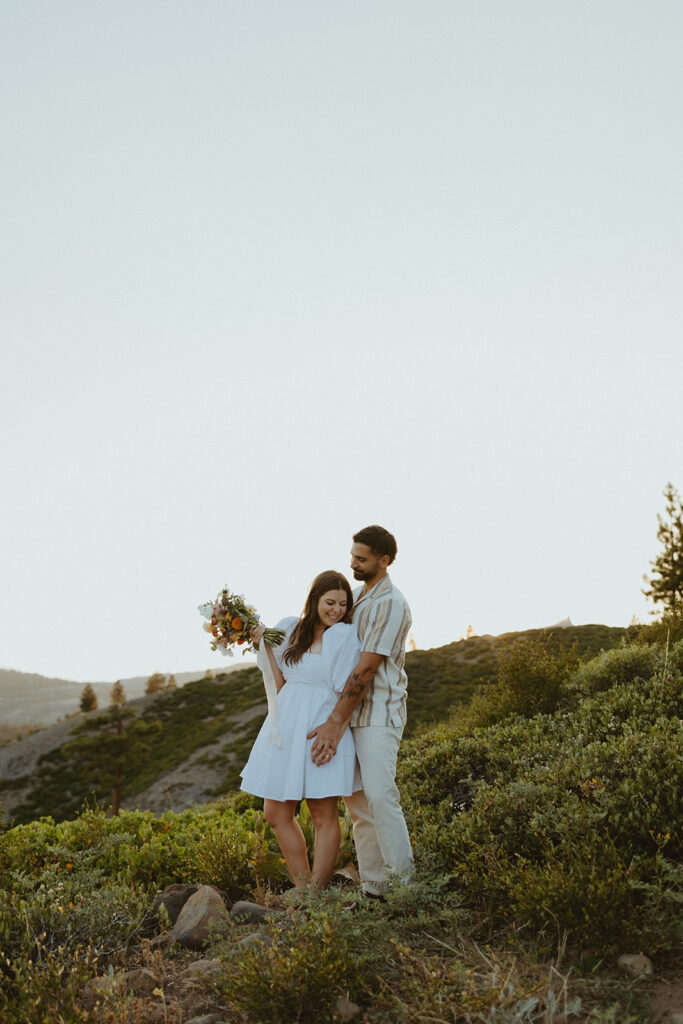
(256, 633)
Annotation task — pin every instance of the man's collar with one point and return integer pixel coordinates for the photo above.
(379, 588)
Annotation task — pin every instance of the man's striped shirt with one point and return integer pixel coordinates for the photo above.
(382, 618)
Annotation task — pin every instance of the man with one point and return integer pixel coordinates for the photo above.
(374, 699)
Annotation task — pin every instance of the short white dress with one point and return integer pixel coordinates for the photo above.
(310, 693)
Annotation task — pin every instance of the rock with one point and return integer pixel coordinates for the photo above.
(206, 1018)
(154, 1013)
(345, 1009)
(174, 898)
(636, 964)
(96, 988)
(346, 876)
(106, 984)
(201, 968)
(140, 981)
(256, 938)
(676, 1017)
(247, 913)
(202, 910)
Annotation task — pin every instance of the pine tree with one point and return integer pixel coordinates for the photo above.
(88, 701)
(155, 683)
(171, 683)
(110, 744)
(117, 697)
(665, 585)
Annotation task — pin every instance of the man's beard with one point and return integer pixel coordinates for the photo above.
(358, 574)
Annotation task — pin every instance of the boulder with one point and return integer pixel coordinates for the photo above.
(347, 875)
(636, 964)
(140, 982)
(99, 987)
(203, 909)
(247, 913)
(345, 1009)
(206, 1018)
(174, 898)
(256, 939)
(201, 969)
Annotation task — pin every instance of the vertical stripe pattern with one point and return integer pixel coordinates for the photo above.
(382, 618)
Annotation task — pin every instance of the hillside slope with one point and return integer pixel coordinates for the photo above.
(27, 698)
(210, 724)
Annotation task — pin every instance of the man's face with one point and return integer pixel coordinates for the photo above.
(364, 564)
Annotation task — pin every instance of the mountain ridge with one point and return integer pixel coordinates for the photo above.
(29, 698)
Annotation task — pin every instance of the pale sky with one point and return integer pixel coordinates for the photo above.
(273, 271)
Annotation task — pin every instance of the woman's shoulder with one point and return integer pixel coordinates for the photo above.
(341, 632)
(342, 627)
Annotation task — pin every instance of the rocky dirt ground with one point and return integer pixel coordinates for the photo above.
(169, 976)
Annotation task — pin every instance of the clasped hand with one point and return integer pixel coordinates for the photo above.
(325, 740)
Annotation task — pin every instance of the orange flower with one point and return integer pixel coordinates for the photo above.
(237, 623)
(214, 630)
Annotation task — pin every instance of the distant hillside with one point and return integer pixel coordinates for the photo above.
(27, 698)
(444, 676)
(210, 724)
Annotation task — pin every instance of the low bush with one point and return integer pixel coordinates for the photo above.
(544, 820)
(531, 680)
(297, 977)
(620, 665)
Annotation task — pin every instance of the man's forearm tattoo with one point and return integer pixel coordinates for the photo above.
(354, 687)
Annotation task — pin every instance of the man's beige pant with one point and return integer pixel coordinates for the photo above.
(379, 829)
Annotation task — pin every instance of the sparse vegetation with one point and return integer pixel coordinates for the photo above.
(547, 842)
(216, 711)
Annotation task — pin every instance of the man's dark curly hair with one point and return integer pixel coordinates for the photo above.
(379, 540)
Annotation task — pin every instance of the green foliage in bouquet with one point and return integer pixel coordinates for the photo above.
(229, 620)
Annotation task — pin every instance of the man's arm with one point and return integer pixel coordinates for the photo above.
(328, 734)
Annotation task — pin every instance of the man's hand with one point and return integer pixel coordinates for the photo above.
(326, 740)
(328, 734)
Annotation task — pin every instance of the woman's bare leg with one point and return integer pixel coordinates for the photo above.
(280, 816)
(325, 815)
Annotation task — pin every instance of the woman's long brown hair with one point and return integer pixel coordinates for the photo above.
(302, 636)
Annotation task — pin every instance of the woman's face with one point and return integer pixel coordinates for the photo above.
(332, 607)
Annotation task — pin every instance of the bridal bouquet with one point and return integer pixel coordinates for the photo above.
(229, 620)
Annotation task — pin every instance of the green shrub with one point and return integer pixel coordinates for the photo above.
(620, 665)
(296, 978)
(42, 986)
(583, 801)
(531, 677)
(60, 910)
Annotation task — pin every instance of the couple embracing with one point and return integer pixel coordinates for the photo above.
(341, 710)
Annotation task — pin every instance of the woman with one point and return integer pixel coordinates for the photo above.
(310, 668)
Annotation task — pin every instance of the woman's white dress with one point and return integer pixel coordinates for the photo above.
(280, 765)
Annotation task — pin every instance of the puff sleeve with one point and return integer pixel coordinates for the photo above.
(263, 663)
(342, 650)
